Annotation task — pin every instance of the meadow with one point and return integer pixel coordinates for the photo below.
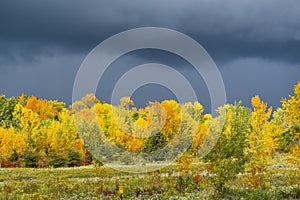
(171, 182)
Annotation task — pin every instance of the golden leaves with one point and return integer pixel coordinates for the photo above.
(262, 142)
(11, 141)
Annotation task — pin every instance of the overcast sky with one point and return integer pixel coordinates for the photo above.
(255, 44)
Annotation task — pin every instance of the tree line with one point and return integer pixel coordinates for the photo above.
(36, 132)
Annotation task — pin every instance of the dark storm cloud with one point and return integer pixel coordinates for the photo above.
(227, 29)
(255, 44)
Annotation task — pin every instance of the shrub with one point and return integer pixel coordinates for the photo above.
(58, 159)
(30, 158)
(74, 158)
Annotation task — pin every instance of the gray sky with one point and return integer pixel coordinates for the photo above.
(255, 44)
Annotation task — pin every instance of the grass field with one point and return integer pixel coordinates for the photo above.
(168, 183)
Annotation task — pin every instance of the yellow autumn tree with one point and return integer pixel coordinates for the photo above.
(291, 108)
(5, 147)
(29, 122)
(173, 119)
(262, 143)
(117, 125)
(12, 145)
(43, 108)
(62, 141)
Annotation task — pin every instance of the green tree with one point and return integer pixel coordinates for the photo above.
(228, 157)
(7, 107)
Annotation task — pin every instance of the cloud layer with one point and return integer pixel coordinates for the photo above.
(43, 38)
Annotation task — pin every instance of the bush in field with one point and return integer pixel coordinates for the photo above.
(30, 158)
(154, 142)
(58, 159)
(74, 158)
(228, 156)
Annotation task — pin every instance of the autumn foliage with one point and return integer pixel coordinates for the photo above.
(41, 133)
